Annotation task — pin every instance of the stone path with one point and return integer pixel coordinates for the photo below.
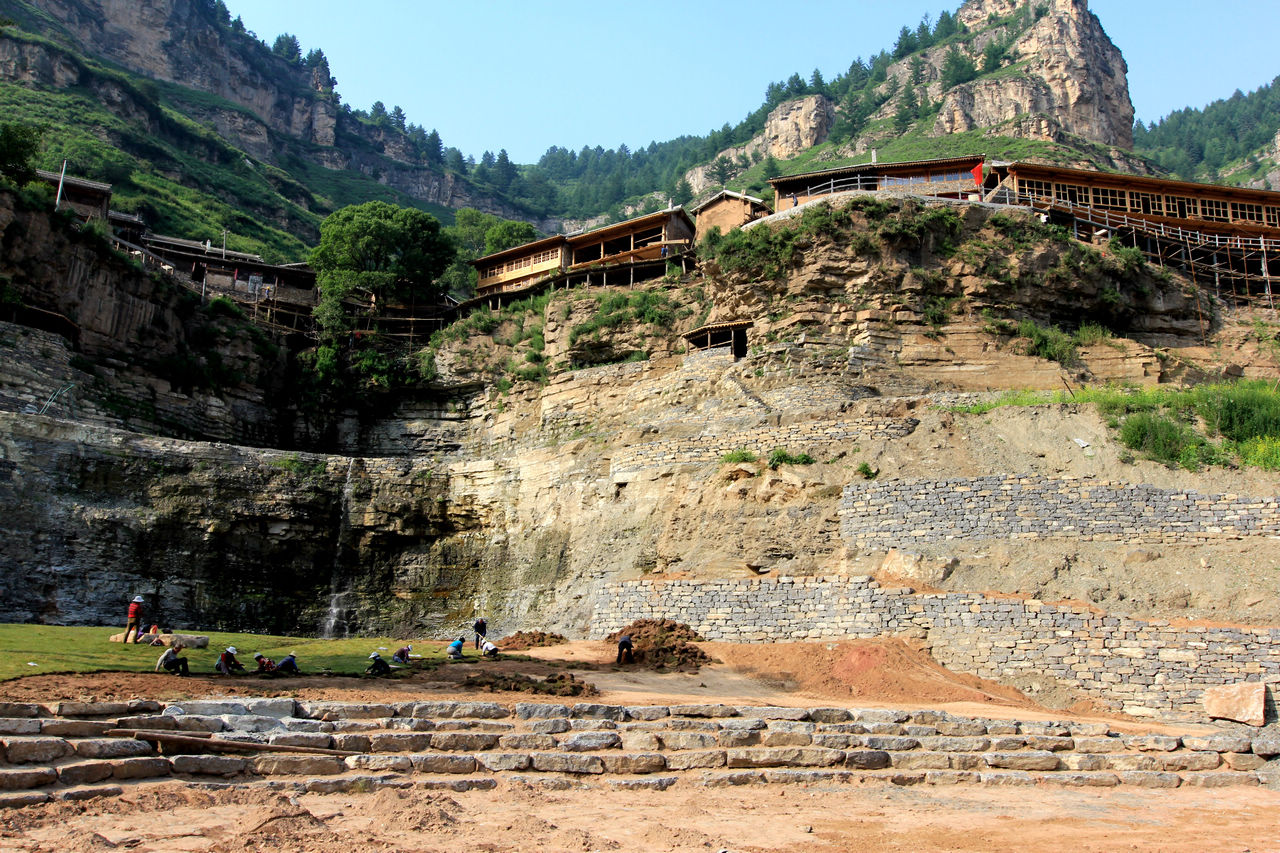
(63, 752)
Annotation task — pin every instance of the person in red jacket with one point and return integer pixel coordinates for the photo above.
(135, 619)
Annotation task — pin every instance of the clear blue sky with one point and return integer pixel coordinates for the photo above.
(528, 74)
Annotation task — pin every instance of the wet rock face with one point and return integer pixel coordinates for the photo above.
(212, 535)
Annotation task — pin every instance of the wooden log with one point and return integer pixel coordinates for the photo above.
(207, 743)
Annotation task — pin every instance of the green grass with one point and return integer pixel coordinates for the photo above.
(59, 649)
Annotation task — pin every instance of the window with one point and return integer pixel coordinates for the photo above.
(1146, 203)
(1036, 189)
(1071, 193)
(1273, 217)
(1182, 207)
(1109, 198)
(1242, 212)
(1215, 211)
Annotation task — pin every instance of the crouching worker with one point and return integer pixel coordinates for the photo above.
(488, 649)
(624, 649)
(402, 655)
(170, 661)
(288, 665)
(455, 649)
(265, 664)
(378, 667)
(227, 663)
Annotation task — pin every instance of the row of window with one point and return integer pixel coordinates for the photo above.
(1152, 204)
(931, 178)
(516, 264)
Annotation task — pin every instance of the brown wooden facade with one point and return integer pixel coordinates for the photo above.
(1205, 207)
(645, 238)
(948, 176)
(727, 210)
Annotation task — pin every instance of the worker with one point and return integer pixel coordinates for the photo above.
(489, 650)
(401, 655)
(378, 667)
(455, 648)
(481, 628)
(288, 665)
(624, 649)
(227, 663)
(134, 623)
(170, 661)
(265, 664)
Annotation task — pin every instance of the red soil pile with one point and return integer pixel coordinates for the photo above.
(663, 644)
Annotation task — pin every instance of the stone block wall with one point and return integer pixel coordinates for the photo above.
(808, 436)
(1134, 664)
(901, 513)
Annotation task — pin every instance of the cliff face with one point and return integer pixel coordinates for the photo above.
(1067, 76)
(790, 129)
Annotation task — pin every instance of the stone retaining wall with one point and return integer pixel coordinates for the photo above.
(811, 436)
(1140, 666)
(900, 513)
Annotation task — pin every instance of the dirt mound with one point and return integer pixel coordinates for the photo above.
(879, 670)
(531, 640)
(415, 812)
(555, 684)
(663, 644)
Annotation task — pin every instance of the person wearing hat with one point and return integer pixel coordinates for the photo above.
(227, 663)
(402, 654)
(265, 664)
(378, 667)
(170, 661)
(288, 665)
(135, 619)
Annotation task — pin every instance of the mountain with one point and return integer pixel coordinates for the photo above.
(259, 142)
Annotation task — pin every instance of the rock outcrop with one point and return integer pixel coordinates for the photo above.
(1068, 78)
(792, 128)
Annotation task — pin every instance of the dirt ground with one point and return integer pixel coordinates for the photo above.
(516, 817)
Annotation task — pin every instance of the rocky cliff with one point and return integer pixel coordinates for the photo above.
(1066, 77)
(523, 502)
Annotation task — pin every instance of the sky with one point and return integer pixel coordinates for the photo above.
(528, 74)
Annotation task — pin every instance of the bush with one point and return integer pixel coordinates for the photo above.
(739, 455)
(780, 456)
(1048, 343)
(865, 471)
(1166, 440)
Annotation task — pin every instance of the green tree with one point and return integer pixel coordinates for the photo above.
(957, 68)
(908, 108)
(721, 170)
(377, 249)
(19, 145)
(917, 69)
(286, 47)
(681, 192)
(507, 234)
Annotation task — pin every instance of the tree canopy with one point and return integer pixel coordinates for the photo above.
(382, 248)
(19, 145)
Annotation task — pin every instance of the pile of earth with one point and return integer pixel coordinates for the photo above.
(664, 644)
(521, 640)
(555, 684)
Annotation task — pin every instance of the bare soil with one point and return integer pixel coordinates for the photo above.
(516, 817)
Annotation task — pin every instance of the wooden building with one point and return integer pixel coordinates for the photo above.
(731, 335)
(642, 240)
(956, 177)
(727, 210)
(89, 199)
(1206, 207)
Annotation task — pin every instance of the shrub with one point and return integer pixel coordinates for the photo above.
(865, 471)
(1049, 343)
(739, 455)
(780, 456)
(1166, 440)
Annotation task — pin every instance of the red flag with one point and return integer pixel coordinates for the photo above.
(977, 175)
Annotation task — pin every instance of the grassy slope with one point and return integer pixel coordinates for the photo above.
(55, 649)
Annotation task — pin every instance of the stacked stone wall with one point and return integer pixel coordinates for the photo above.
(1128, 663)
(901, 513)
(809, 436)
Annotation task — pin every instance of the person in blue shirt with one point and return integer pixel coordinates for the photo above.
(455, 648)
(288, 665)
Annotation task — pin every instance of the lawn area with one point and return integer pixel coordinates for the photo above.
(54, 649)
